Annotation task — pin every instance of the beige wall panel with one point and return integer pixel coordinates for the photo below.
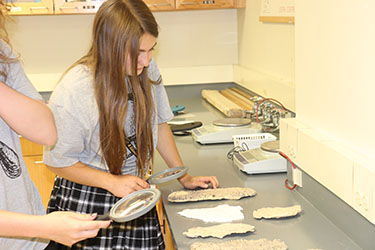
(49, 44)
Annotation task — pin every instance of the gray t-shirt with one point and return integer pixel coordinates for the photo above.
(77, 119)
(17, 192)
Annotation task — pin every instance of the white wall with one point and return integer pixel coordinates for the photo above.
(203, 46)
(332, 137)
(193, 46)
(266, 56)
(335, 69)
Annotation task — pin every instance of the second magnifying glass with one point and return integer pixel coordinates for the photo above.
(167, 175)
(140, 202)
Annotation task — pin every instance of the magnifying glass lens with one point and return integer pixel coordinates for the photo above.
(133, 205)
(167, 174)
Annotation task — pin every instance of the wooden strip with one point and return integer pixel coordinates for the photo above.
(239, 4)
(245, 99)
(244, 94)
(226, 106)
(234, 97)
(277, 19)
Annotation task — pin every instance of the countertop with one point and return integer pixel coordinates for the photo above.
(309, 230)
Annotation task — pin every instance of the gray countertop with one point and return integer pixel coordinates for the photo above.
(310, 229)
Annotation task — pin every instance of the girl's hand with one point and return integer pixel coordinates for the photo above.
(122, 185)
(68, 227)
(192, 182)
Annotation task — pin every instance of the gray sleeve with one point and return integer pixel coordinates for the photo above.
(70, 141)
(164, 111)
(70, 118)
(18, 80)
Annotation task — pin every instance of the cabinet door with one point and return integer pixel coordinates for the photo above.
(204, 4)
(160, 5)
(30, 7)
(77, 6)
(30, 148)
(41, 176)
(168, 238)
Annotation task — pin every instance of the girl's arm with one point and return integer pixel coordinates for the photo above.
(30, 118)
(118, 185)
(64, 227)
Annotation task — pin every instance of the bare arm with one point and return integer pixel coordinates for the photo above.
(118, 185)
(30, 118)
(63, 227)
(169, 152)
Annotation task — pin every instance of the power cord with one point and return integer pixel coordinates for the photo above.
(233, 151)
(294, 167)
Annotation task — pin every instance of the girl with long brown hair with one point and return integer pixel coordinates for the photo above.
(111, 112)
(23, 222)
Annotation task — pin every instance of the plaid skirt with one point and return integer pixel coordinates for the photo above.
(141, 233)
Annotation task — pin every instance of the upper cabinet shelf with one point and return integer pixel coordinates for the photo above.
(161, 5)
(31, 7)
(76, 6)
(208, 4)
(52, 7)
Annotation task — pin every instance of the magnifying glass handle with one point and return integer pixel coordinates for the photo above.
(103, 217)
(151, 185)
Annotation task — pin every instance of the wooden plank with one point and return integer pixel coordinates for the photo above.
(243, 93)
(238, 99)
(276, 19)
(223, 104)
(244, 97)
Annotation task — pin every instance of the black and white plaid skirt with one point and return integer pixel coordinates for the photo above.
(141, 233)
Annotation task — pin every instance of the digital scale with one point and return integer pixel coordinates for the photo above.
(265, 159)
(223, 130)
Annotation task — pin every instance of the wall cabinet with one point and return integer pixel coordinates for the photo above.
(40, 175)
(207, 4)
(161, 5)
(33, 7)
(76, 6)
(58, 7)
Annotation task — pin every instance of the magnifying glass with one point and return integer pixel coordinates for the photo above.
(142, 201)
(132, 206)
(167, 175)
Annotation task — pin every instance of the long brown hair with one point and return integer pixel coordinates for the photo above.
(5, 58)
(117, 30)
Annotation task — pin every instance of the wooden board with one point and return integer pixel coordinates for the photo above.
(277, 19)
(240, 100)
(243, 93)
(223, 104)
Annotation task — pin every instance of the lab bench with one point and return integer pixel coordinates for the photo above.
(311, 229)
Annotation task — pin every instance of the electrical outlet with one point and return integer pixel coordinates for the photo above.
(297, 177)
(292, 153)
(363, 179)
